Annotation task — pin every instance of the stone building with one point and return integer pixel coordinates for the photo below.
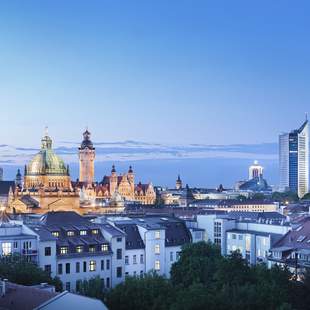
(47, 183)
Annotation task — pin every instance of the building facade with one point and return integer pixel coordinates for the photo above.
(294, 160)
(87, 160)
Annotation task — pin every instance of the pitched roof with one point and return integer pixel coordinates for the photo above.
(20, 297)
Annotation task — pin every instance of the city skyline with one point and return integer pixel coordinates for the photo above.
(166, 73)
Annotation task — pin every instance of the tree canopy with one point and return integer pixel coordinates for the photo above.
(203, 279)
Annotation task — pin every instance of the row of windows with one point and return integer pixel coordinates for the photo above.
(81, 248)
(71, 233)
(78, 285)
(7, 246)
(134, 259)
(92, 266)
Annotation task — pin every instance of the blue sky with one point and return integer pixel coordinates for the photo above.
(211, 72)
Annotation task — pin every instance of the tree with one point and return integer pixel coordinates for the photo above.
(18, 270)
(197, 264)
(92, 288)
(151, 292)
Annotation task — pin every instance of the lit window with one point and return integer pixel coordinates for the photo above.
(157, 234)
(92, 248)
(64, 250)
(92, 265)
(6, 248)
(157, 249)
(55, 233)
(79, 249)
(70, 233)
(104, 247)
(95, 231)
(83, 232)
(157, 265)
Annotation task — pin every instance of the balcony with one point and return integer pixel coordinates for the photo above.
(29, 252)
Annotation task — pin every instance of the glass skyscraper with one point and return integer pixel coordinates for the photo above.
(294, 160)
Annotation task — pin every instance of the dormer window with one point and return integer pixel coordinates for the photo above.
(95, 231)
(70, 233)
(83, 232)
(92, 248)
(64, 250)
(157, 234)
(55, 233)
(104, 247)
(79, 249)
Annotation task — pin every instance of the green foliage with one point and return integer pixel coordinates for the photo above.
(16, 269)
(258, 196)
(197, 264)
(286, 197)
(203, 279)
(149, 292)
(92, 288)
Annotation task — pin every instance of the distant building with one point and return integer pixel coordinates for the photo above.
(294, 160)
(87, 157)
(178, 183)
(255, 170)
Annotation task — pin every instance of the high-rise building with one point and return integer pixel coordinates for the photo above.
(87, 158)
(294, 160)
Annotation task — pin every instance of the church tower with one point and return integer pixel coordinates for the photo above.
(87, 159)
(178, 183)
(113, 180)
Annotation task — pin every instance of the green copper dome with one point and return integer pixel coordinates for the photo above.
(46, 162)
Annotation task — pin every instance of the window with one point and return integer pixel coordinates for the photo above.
(119, 239)
(104, 247)
(6, 248)
(92, 248)
(84, 266)
(78, 285)
(102, 283)
(119, 254)
(157, 249)
(67, 268)
(233, 236)
(126, 260)
(15, 245)
(83, 232)
(77, 267)
(102, 264)
(48, 251)
(95, 231)
(92, 265)
(108, 264)
(55, 233)
(240, 237)
(79, 249)
(171, 256)
(177, 255)
(59, 268)
(157, 265)
(48, 268)
(70, 233)
(68, 286)
(27, 245)
(135, 273)
(108, 282)
(157, 234)
(119, 272)
(64, 250)
(141, 259)
(134, 259)
(141, 273)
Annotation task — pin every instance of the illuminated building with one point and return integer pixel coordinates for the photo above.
(47, 184)
(294, 160)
